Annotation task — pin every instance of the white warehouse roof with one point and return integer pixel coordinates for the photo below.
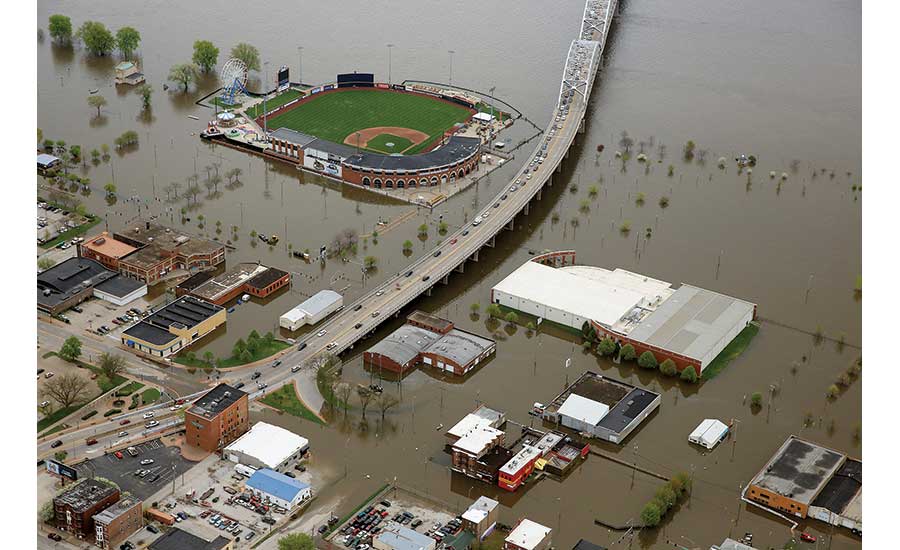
(588, 292)
(269, 444)
(318, 302)
(583, 409)
(528, 534)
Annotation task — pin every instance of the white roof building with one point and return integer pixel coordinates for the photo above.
(528, 535)
(483, 117)
(583, 409)
(266, 446)
(480, 509)
(313, 310)
(478, 440)
(709, 433)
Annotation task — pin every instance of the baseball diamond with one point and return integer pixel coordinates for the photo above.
(337, 115)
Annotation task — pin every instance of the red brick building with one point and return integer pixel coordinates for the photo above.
(115, 524)
(217, 418)
(74, 509)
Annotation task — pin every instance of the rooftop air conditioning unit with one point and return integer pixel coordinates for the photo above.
(101, 240)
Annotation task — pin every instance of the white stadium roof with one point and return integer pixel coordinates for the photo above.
(589, 292)
(269, 444)
(583, 409)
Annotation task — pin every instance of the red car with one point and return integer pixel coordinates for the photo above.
(126, 421)
(806, 537)
(54, 536)
(453, 241)
(119, 455)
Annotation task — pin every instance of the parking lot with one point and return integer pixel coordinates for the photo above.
(395, 505)
(52, 221)
(167, 464)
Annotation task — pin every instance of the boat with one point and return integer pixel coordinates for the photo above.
(94, 91)
(193, 117)
(273, 239)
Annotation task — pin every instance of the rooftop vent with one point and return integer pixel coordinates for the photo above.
(101, 240)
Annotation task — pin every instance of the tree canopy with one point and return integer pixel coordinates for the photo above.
(71, 349)
(689, 375)
(606, 346)
(668, 368)
(205, 55)
(146, 92)
(127, 40)
(248, 54)
(184, 74)
(97, 101)
(111, 365)
(60, 28)
(650, 515)
(67, 389)
(627, 352)
(647, 360)
(96, 37)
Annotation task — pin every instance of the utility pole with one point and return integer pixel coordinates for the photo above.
(265, 110)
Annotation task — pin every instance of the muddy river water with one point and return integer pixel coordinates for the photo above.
(777, 80)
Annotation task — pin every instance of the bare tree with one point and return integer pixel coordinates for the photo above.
(365, 395)
(111, 365)
(216, 180)
(626, 142)
(67, 389)
(343, 391)
(701, 156)
(385, 401)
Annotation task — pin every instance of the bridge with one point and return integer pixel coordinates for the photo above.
(363, 316)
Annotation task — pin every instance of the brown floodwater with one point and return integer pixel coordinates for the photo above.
(777, 80)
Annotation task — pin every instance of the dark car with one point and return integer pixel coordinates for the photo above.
(151, 479)
(426, 277)
(239, 385)
(276, 363)
(290, 474)
(358, 307)
(438, 253)
(152, 529)
(496, 205)
(416, 523)
(54, 536)
(322, 529)
(255, 375)
(466, 232)
(409, 273)
(56, 444)
(357, 326)
(300, 348)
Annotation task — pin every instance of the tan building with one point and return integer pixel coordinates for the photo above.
(481, 517)
(115, 524)
(174, 327)
(528, 535)
(105, 249)
(217, 418)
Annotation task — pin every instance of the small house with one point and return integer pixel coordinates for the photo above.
(128, 73)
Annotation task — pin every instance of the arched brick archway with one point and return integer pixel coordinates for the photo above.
(366, 181)
(377, 183)
(460, 174)
(389, 184)
(434, 180)
(401, 184)
(423, 182)
(452, 177)
(444, 179)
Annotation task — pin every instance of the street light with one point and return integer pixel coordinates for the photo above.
(390, 47)
(266, 95)
(451, 52)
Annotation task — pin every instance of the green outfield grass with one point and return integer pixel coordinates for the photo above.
(272, 103)
(380, 143)
(334, 116)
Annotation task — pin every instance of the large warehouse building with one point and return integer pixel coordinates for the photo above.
(313, 310)
(688, 325)
(267, 446)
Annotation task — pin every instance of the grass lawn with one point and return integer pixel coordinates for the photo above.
(380, 143)
(272, 103)
(217, 101)
(129, 389)
(261, 353)
(485, 108)
(285, 399)
(336, 115)
(66, 235)
(57, 415)
(150, 395)
(731, 351)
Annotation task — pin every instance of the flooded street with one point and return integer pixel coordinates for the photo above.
(777, 81)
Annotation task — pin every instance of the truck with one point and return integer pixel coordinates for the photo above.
(158, 515)
(244, 470)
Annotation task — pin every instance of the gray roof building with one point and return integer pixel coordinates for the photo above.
(799, 470)
(69, 282)
(178, 539)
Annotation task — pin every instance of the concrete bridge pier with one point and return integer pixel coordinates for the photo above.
(540, 193)
(428, 291)
(446, 279)
(580, 128)
(559, 166)
(492, 243)
(474, 257)
(511, 226)
(527, 208)
(461, 268)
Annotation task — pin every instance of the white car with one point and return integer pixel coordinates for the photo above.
(322, 333)
(45, 404)
(123, 434)
(146, 461)
(151, 424)
(175, 407)
(331, 346)
(148, 415)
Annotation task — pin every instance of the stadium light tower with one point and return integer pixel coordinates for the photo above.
(265, 110)
(300, 68)
(451, 52)
(389, 47)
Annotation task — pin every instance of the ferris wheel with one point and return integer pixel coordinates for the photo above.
(234, 80)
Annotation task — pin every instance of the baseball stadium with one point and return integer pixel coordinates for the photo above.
(372, 134)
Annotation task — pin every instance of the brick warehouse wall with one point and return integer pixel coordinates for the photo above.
(421, 178)
(681, 361)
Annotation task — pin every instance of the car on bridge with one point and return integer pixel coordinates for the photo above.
(438, 253)
(426, 277)
(331, 346)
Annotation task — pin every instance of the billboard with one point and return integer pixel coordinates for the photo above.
(60, 469)
(283, 78)
(362, 80)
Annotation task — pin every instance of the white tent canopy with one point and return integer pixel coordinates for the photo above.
(709, 433)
